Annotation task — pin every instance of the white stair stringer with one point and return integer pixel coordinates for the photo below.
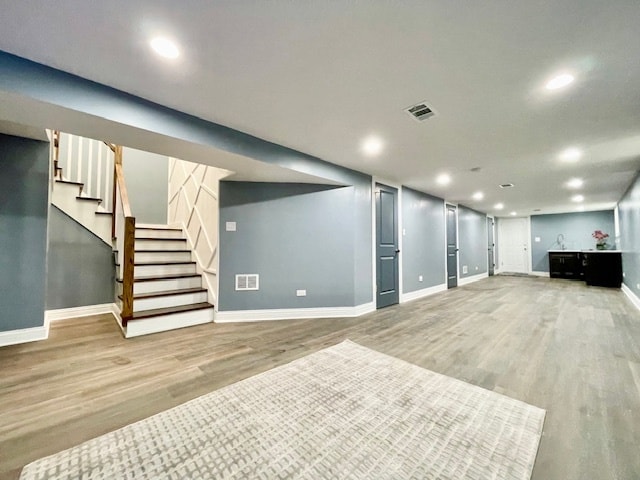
(82, 211)
(167, 290)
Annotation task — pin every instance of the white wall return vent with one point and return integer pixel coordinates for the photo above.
(247, 281)
(420, 112)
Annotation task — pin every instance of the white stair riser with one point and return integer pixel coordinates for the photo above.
(165, 285)
(83, 212)
(157, 270)
(142, 304)
(163, 256)
(160, 245)
(154, 233)
(162, 323)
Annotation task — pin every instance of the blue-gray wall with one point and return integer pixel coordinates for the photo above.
(629, 220)
(423, 248)
(472, 242)
(24, 198)
(296, 236)
(80, 267)
(575, 227)
(147, 177)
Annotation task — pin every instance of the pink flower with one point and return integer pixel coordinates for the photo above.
(600, 236)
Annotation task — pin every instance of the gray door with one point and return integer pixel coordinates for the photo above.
(387, 246)
(452, 247)
(491, 246)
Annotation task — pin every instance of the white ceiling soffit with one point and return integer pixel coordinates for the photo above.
(28, 111)
(318, 77)
(26, 131)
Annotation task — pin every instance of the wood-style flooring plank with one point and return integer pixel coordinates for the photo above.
(560, 345)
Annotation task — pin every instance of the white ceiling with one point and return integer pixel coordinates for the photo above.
(320, 76)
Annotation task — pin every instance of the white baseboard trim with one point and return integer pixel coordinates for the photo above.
(473, 278)
(77, 312)
(539, 274)
(293, 313)
(425, 292)
(24, 335)
(632, 296)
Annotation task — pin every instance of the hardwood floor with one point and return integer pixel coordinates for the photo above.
(557, 344)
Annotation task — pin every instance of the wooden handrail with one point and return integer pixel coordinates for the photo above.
(126, 206)
(117, 150)
(129, 241)
(56, 146)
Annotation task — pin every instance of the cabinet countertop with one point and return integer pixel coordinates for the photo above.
(584, 251)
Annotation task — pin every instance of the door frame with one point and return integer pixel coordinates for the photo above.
(495, 245)
(374, 256)
(446, 266)
(527, 218)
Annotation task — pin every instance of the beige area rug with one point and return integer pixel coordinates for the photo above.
(345, 412)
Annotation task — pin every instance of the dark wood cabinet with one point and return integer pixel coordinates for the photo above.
(565, 265)
(603, 269)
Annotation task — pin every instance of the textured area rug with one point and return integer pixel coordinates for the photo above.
(345, 412)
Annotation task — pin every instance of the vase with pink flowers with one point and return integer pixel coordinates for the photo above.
(601, 239)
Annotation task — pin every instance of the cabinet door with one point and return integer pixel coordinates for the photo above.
(571, 265)
(555, 265)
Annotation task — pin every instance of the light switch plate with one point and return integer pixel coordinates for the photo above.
(537, 239)
(419, 278)
(301, 293)
(230, 226)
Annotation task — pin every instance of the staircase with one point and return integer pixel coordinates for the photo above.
(164, 291)
(167, 291)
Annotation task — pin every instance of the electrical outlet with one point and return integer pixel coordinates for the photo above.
(301, 293)
(637, 286)
(477, 267)
(404, 232)
(419, 278)
(537, 239)
(465, 269)
(230, 226)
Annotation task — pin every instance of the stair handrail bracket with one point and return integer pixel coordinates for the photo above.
(124, 230)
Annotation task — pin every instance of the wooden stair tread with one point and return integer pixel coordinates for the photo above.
(90, 199)
(167, 293)
(161, 229)
(154, 278)
(158, 312)
(163, 251)
(170, 262)
(162, 239)
(69, 182)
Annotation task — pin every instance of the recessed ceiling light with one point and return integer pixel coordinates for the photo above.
(570, 155)
(580, 208)
(165, 47)
(443, 179)
(478, 196)
(499, 206)
(577, 198)
(560, 81)
(513, 214)
(575, 183)
(372, 146)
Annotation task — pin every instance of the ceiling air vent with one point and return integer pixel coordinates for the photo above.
(506, 185)
(247, 281)
(420, 112)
